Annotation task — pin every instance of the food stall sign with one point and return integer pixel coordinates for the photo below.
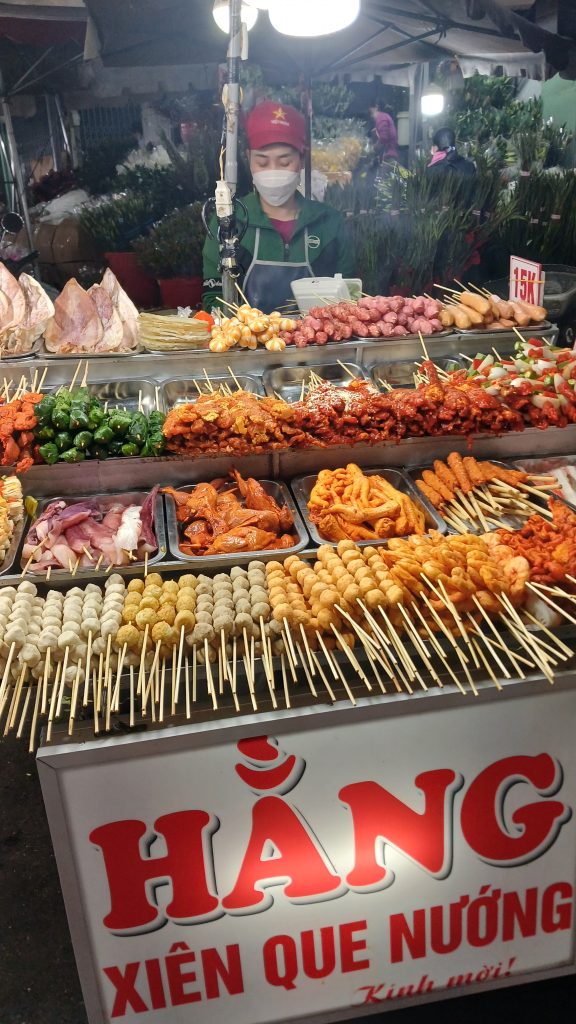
(527, 281)
(344, 860)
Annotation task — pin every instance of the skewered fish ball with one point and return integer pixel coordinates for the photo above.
(187, 581)
(166, 613)
(161, 632)
(113, 579)
(260, 610)
(202, 631)
(128, 635)
(185, 620)
(27, 588)
(135, 586)
(153, 590)
(203, 617)
(130, 612)
(149, 602)
(185, 603)
(168, 598)
(144, 618)
(154, 579)
(170, 587)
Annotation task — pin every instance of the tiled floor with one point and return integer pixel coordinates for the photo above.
(38, 980)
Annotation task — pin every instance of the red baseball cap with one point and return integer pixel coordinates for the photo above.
(272, 123)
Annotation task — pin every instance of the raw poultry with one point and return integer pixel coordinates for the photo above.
(103, 319)
(111, 532)
(213, 521)
(25, 312)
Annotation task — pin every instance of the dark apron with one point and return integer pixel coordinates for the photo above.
(267, 284)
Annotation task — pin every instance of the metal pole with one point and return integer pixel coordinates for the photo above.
(232, 107)
(308, 156)
(7, 176)
(15, 164)
(63, 127)
(53, 146)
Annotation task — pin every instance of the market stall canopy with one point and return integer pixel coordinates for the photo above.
(388, 33)
(40, 42)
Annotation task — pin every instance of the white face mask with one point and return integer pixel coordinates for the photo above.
(276, 187)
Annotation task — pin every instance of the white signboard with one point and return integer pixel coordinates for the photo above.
(321, 868)
(527, 281)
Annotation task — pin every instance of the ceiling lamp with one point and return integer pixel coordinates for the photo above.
(221, 13)
(313, 17)
(432, 102)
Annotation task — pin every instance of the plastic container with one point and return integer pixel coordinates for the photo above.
(324, 291)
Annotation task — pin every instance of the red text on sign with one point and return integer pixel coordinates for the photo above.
(300, 867)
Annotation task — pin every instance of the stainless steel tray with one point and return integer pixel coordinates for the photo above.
(20, 531)
(127, 498)
(410, 337)
(302, 489)
(400, 372)
(547, 465)
(43, 353)
(545, 329)
(124, 394)
(287, 382)
(182, 390)
(276, 490)
(511, 521)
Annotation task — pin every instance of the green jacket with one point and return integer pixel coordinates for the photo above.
(334, 254)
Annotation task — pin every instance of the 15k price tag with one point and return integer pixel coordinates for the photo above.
(526, 281)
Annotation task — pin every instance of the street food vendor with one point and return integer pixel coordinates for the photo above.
(288, 237)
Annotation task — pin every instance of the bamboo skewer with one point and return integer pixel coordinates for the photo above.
(148, 688)
(132, 696)
(74, 699)
(162, 691)
(34, 719)
(284, 681)
(306, 669)
(290, 651)
(187, 687)
(73, 381)
(176, 686)
(22, 722)
(544, 597)
(55, 689)
(323, 677)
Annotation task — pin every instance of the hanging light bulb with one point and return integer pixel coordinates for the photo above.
(221, 14)
(432, 101)
(313, 17)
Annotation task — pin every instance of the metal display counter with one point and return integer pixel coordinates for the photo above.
(323, 862)
(170, 365)
(314, 853)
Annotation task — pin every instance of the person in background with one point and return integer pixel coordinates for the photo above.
(288, 237)
(446, 158)
(384, 130)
